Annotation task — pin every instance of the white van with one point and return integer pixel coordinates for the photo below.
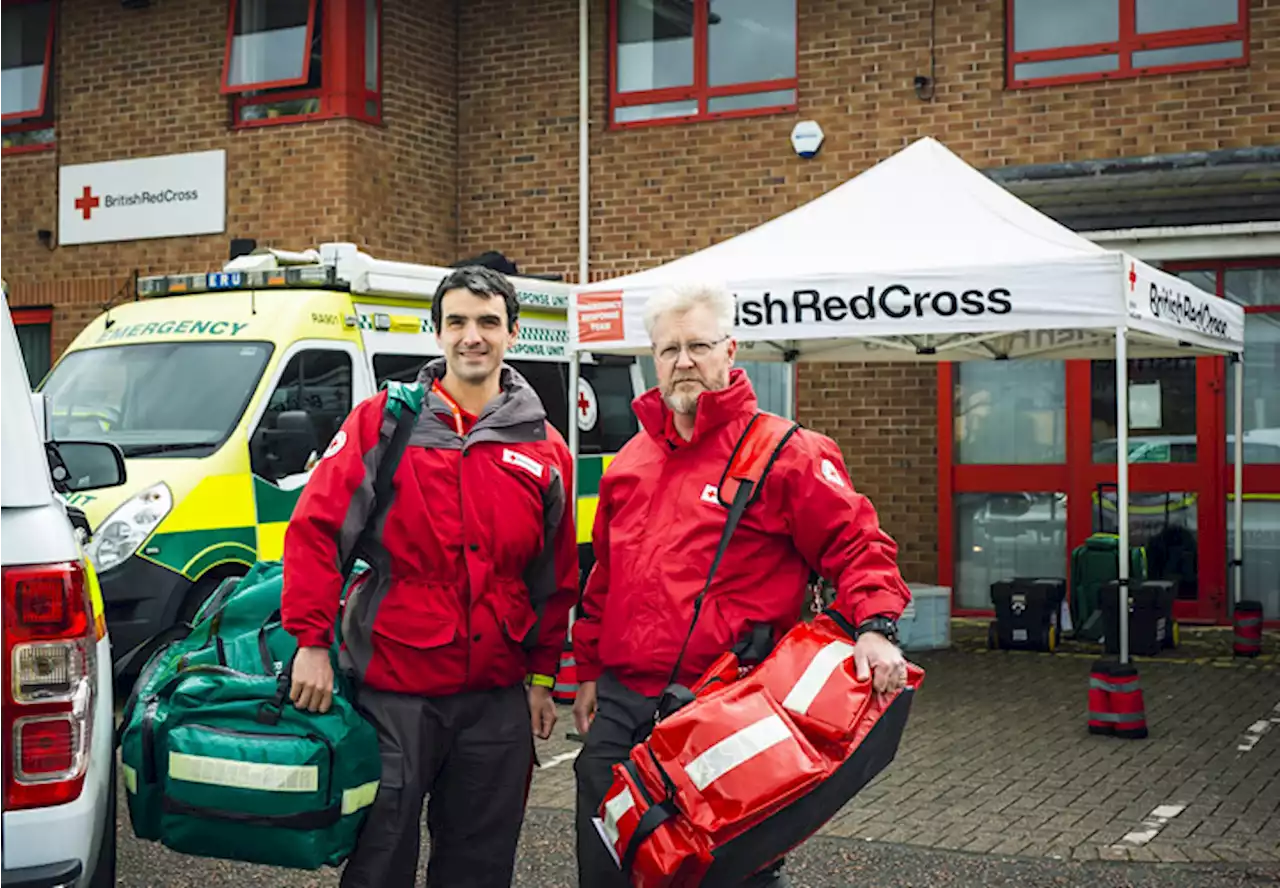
(59, 764)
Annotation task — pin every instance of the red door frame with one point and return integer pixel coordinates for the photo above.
(1078, 476)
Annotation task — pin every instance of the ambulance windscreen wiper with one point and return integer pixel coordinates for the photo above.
(151, 449)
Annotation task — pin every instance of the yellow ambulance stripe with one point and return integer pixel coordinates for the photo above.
(271, 540)
(587, 505)
(586, 517)
(220, 501)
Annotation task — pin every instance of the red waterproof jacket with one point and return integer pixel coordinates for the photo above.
(658, 524)
(478, 528)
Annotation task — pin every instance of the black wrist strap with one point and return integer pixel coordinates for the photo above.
(838, 618)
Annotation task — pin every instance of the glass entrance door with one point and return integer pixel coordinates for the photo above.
(1171, 475)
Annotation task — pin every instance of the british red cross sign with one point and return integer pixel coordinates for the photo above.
(171, 195)
(87, 202)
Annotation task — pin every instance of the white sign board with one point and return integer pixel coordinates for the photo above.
(1144, 405)
(169, 196)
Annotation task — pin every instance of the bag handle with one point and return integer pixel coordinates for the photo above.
(752, 458)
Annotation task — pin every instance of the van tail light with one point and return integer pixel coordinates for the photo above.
(50, 681)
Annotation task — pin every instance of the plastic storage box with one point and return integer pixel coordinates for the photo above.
(925, 625)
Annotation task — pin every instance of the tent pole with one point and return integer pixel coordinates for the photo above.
(1122, 484)
(574, 438)
(584, 247)
(1237, 507)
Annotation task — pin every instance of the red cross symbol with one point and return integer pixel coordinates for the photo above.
(1133, 277)
(584, 406)
(87, 202)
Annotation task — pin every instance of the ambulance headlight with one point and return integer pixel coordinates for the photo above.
(124, 530)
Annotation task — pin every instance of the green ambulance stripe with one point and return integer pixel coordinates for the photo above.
(193, 552)
(590, 469)
(274, 505)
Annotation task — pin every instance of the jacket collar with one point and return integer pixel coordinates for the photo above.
(517, 406)
(715, 409)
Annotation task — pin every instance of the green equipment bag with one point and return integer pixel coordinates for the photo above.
(1094, 563)
(216, 760)
(218, 763)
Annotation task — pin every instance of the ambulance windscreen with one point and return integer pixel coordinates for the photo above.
(155, 399)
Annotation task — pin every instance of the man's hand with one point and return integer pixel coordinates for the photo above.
(877, 658)
(312, 679)
(584, 706)
(542, 711)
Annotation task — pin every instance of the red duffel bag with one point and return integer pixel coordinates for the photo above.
(761, 752)
(754, 765)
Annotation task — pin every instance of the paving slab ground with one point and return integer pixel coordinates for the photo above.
(997, 758)
(997, 782)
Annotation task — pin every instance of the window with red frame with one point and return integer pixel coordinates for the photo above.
(26, 84)
(681, 60)
(34, 327)
(294, 60)
(1055, 41)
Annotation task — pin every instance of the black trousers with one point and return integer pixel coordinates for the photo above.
(472, 753)
(623, 719)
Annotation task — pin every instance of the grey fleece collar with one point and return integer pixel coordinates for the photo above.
(515, 415)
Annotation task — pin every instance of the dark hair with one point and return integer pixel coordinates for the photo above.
(482, 282)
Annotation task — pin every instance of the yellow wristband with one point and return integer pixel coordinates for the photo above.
(538, 680)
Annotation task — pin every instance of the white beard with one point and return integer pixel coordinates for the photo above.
(682, 402)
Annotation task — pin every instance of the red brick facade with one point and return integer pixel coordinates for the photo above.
(478, 150)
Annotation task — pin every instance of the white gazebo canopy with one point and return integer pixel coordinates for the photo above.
(923, 258)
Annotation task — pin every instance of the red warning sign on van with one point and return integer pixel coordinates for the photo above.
(600, 317)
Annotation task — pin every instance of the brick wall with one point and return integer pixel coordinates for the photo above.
(660, 192)
(392, 188)
(478, 150)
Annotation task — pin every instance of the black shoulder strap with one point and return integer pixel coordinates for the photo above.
(752, 458)
(382, 481)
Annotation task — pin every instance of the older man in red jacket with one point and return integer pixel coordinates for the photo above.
(475, 570)
(658, 524)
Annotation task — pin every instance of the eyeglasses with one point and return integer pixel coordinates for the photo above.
(697, 350)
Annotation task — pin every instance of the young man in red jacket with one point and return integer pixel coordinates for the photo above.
(657, 527)
(475, 571)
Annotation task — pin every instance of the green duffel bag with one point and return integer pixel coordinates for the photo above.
(238, 607)
(219, 763)
(226, 645)
(216, 759)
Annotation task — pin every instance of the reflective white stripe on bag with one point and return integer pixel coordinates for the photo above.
(130, 778)
(358, 797)
(815, 677)
(736, 749)
(614, 810)
(243, 775)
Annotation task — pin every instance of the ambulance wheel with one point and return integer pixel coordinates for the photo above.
(993, 637)
(200, 593)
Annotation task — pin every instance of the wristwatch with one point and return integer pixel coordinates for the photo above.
(886, 626)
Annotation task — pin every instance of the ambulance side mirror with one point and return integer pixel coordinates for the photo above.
(285, 449)
(77, 466)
